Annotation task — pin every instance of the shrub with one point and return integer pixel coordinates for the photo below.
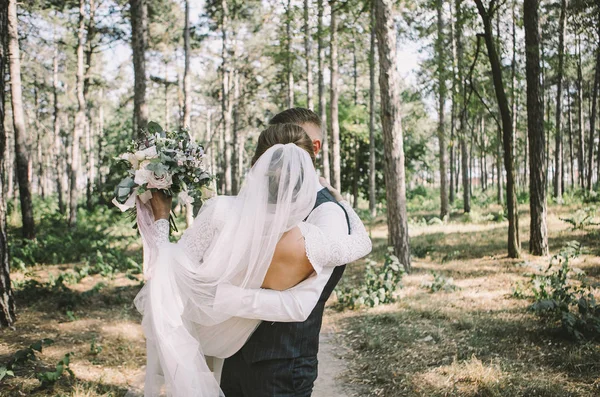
(100, 240)
(48, 378)
(379, 286)
(439, 283)
(22, 356)
(582, 218)
(561, 293)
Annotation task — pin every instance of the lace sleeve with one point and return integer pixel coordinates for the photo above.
(161, 227)
(196, 240)
(336, 250)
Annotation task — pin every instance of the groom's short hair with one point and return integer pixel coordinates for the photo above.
(296, 116)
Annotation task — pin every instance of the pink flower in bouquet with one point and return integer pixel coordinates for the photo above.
(162, 182)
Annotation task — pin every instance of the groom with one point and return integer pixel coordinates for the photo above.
(280, 359)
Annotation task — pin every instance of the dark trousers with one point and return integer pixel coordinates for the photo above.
(293, 377)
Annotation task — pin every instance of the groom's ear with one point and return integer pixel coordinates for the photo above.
(316, 146)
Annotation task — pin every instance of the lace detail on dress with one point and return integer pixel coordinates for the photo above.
(162, 228)
(325, 250)
(196, 240)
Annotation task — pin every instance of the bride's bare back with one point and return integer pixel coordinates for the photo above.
(289, 265)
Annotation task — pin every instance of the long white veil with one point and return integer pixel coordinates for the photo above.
(241, 233)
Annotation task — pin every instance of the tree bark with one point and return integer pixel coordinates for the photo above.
(308, 51)
(500, 181)
(89, 149)
(7, 302)
(590, 164)
(581, 131)
(79, 125)
(225, 99)
(20, 132)
(538, 239)
(570, 127)
(389, 80)
(187, 95)
(187, 88)
(558, 141)
(372, 170)
(322, 101)
(453, 179)
(139, 43)
(289, 55)
(507, 133)
(236, 141)
(441, 60)
(334, 124)
(462, 112)
(57, 147)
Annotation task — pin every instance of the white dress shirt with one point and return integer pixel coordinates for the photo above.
(294, 304)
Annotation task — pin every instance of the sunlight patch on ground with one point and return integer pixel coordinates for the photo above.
(127, 330)
(467, 378)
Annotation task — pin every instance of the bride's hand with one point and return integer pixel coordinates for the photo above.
(331, 189)
(161, 205)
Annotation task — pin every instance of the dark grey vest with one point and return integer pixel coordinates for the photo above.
(290, 340)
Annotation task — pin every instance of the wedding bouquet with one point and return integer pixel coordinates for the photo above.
(170, 161)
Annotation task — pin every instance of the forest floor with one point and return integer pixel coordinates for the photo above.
(476, 340)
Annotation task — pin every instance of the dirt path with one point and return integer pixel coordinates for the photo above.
(331, 366)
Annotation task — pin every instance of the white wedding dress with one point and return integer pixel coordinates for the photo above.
(231, 242)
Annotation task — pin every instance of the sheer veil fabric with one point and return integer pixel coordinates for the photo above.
(239, 234)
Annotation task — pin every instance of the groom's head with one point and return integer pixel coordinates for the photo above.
(305, 118)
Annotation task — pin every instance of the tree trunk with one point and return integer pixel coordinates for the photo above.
(308, 51)
(581, 131)
(187, 88)
(462, 109)
(538, 239)
(357, 145)
(225, 98)
(372, 170)
(100, 179)
(590, 165)
(236, 152)
(570, 127)
(321, 93)
(89, 149)
(187, 95)
(7, 302)
(464, 156)
(20, 133)
(558, 141)
(79, 125)
(507, 133)
(139, 42)
(482, 175)
(500, 181)
(57, 147)
(453, 179)
(289, 55)
(389, 80)
(322, 102)
(334, 124)
(441, 60)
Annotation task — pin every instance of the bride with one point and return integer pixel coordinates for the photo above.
(257, 239)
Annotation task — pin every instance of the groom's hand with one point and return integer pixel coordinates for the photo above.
(161, 205)
(331, 189)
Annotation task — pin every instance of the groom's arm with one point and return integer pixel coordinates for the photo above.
(294, 304)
